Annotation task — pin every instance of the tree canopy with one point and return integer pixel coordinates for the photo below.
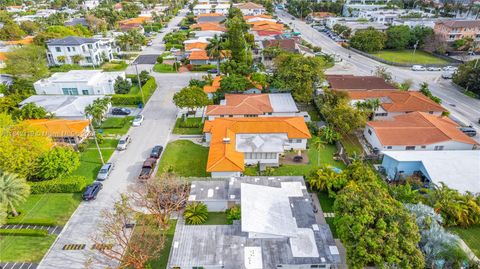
(468, 77)
(27, 62)
(234, 84)
(368, 40)
(58, 162)
(191, 97)
(398, 37)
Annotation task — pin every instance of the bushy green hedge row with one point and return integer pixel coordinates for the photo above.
(190, 124)
(64, 185)
(24, 232)
(35, 221)
(135, 99)
(203, 67)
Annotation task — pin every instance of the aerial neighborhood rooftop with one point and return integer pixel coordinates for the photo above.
(239, 134)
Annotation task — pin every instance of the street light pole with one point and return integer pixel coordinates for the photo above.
(140, 84)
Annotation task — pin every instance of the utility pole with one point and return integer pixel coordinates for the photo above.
(140, 84)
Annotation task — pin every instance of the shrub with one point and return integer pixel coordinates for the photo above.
(100, 138)
(195, 213)
(190, 124)
(64, 185)
(56, 163)
(24, 232)
(203, 67)
(159, 59)
(122, 86)
(36, 221)
(233, 213)
(126, 99)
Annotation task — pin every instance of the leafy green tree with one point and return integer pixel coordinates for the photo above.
(97, 110)
(233, 213)
(329, 135)
(27, 62)
(426, 91)
(398, 37)
(60, 31)
(299, 74)
(404, 193)
(326, 179)
(30, 27)
(195, 213)
(122, 86)
(231, 67)
(56, 163)
(468, 77)
(260, 79)
(342, 30)
(131, 40)
(191, 97)
(318, 144)
(368, 40)
(31, 111)
(234, 84)
(375, 229)
(11, 31)
(236, 41)
(420, 34)
(214, 50)
(159, 59)
(14, 190)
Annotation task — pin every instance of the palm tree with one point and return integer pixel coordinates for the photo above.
(318, 144)
(13, 190)
(3, 213)
(95, 112)
(195, 213)
(214, 50)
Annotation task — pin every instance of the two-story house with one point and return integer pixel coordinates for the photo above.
(452, 30)
(80, 50)
(249, 8)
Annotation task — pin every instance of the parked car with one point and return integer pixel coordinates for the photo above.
(137, 121)
(104, 171)
(121, 111)
(92, 191)
(212, 71)
(447, 74)
(123, 142)
(468, 131)
(184, 28)
(432, 68)
(450, 68)
(156, 152)
(418, 68)
(147, 169)
(149, 43)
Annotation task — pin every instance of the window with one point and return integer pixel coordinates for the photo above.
(70, 91)
(88, 59)
(85, 92)
(369, 132)
(438, 148)
(298, 141)
(68, 49)
(251, 116)
(221, 116)
(90, 46)
(230, 116)
(381, 114)
(389, 147)
(58, 49)
(73, 48)
(431, 112)
(424, 147)
(410, 148)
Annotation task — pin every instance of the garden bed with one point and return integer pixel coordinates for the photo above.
(114, 66)
(471, 236)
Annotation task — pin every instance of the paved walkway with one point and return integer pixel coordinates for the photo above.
(51, 229)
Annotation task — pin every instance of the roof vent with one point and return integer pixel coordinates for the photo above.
(226, 140)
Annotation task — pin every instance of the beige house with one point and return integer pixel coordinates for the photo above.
(451, 30)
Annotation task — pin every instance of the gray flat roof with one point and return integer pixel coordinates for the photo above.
(63, 105)
(282, 102)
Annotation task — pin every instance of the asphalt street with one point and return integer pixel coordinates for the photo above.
(160, 114)
(462, 107)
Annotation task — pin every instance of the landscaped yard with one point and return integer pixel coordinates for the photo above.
(162, 260)
(352, 145)
(326, 202)
(90, 162)
(49, 208)
(24, 248)
(164, 68)
(407, 57)
(185, 158)
(216, 218)
(188, 127)
(114, 66)
(471, 236)
(115, 126)
(333, 228)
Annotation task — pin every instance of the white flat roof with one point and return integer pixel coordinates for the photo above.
(458, 169)
(253, 257)
(303, 244)
(260, 142)
(282, 102)
(63, 105)
(84, 76)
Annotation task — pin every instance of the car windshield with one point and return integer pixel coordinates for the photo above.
(102, 171)
(138, 117)
(121, 142)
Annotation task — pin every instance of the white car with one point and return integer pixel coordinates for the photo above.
(447, 74)
(450, 68)
(123, 142)
(137, 121)
(419, 68)
(434, 68)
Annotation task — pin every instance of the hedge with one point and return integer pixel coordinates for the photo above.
(24, 232)
(203, 67)
(64, 185)
(35, 221)
(135, 99)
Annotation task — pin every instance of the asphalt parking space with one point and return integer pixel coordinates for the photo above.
(146, 59)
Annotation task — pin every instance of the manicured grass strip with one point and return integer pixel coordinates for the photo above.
(333, 228)
(216, 218)
(190, 126)
(163, 68)
(90, 162)
(185, 158)
(116, 126)
(407, 57)
(471, 236)
(47, 209)
(24, 232)
(114, 66)
(162, 260)
(24, 248)
(352, 145)
(325, 202)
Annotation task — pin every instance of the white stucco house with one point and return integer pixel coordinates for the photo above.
(90, 4)
(79, 82)
(211, 8)
(251, 9)
(90, 51)
(417, 131)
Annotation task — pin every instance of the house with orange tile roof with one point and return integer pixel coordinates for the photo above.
(195, 46)
(394, 103)
(236, 142)
(417, 131)
(251, 9)
(210, 90)
(254, 105)
(208, 26)
(71, 132)
(3, 58)
(353, 83)
(24, 41)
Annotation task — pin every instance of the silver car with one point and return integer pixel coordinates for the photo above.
(104, 171)
(123, 142)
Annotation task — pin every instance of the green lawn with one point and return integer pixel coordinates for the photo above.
(188, 127)
(352, 145)
(116, 126)
(326, 202)
(216, 218)
(162, 261)
(471, 236)
(114, 66)
(24, 248)
(333, 228)
(185, 158)
(407, 57)
(163, 68)
(54, 208)
(90, 162)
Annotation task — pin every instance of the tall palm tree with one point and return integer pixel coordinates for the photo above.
(214, 50)
(95, 112)
(13, 190)
(318, 144)
(195, 213)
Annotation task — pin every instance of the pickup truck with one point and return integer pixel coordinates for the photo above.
(147, 169)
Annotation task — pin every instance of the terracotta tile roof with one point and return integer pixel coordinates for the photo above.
(208, 26)
(351, 82)
(223, 157)
(263, 16)
(418, 128)
(322, 14)
(59, 127)
(249, 5)
(25, 41)
(285, 44)
(269, 33)
(399, 101)
(461, 23)
(138, 20)
(242, 104)
(210, 15)
(3, 56)
(198, 55)
(196, 45)
(215, 85)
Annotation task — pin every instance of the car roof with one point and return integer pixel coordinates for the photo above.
(106, 165)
